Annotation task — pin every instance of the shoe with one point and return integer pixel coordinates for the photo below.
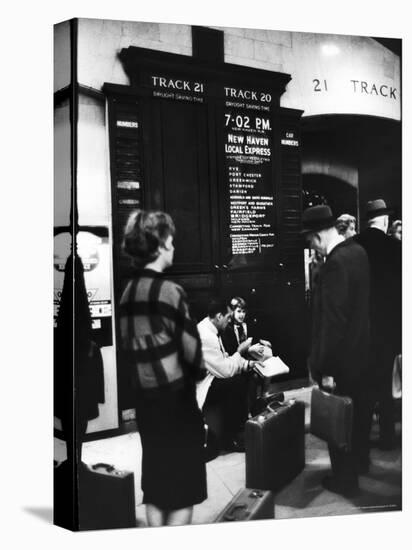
(330, 483)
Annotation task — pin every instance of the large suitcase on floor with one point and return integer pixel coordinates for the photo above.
(249, 504)
(275, 445)
(106, 497)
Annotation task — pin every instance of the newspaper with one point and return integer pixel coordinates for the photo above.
(273, 366)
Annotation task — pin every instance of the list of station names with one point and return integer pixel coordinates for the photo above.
(248, 156)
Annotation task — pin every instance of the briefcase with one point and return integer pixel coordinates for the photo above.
(275, 445)
(249, 504)
(106, 497)
(331, 418)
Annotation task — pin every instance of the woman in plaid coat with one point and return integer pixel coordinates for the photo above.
(163, 349)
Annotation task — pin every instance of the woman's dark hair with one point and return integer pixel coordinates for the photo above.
(145, 231)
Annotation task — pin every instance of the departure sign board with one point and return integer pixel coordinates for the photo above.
(248, 154)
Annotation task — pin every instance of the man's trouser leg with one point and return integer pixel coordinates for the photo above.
(346, 464)
(226, 407)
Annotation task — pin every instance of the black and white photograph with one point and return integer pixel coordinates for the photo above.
(229, 206)
(214, 356)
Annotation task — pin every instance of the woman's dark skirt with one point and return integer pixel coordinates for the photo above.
(171, 428)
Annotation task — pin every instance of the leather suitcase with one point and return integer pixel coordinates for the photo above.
(275, 445)
(106, 498)
(331, 418)
(249, 504)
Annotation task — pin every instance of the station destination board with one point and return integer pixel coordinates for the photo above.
(247, 152)
(248, 160)
(248, 156)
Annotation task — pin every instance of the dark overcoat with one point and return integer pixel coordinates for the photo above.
(384, 255)
(340, 330)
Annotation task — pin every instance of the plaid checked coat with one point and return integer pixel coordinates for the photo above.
(158, 336)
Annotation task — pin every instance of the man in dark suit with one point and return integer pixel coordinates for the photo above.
(384, 255)
(340, 335)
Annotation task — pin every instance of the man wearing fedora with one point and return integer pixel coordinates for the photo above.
(384, 255)
(340, 335)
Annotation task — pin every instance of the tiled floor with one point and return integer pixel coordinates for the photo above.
(303, 497)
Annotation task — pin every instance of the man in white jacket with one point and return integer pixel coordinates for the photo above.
(222, 394)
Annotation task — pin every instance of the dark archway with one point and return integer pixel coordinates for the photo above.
(339, 195)
(340, 152)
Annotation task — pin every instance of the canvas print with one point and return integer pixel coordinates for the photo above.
(227, 274)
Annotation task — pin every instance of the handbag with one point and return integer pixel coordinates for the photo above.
(331, 418)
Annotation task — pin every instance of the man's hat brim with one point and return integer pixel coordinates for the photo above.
(378, 212)
(318, 225)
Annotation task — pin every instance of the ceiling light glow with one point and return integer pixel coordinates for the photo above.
(330, 49)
